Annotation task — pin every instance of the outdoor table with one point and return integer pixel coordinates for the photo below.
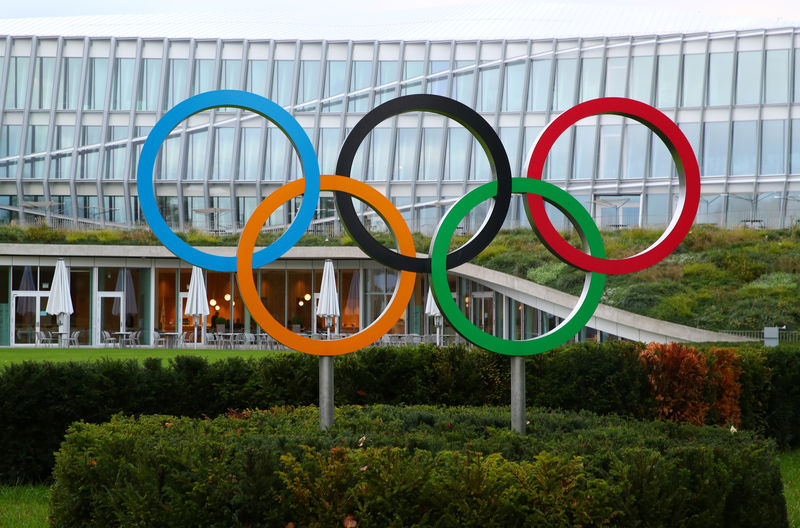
(170, 338)
(227, 337)
(123, 337)
(63, 338)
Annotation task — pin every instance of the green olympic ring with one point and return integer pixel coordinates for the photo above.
(592, 288)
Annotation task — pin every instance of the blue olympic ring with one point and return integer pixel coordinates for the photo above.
(246, 101)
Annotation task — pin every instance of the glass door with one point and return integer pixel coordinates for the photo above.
(483, 311)
(108, 315)
(24, 318)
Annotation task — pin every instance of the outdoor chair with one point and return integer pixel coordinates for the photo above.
(108, 339)
(44, 338)
(158, 340)
(73, 338)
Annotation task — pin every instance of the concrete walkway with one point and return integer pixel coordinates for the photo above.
(606, 318)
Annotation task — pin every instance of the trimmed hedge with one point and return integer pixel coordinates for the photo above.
(39, 400)
(413, 466)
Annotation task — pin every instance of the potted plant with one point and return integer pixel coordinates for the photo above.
(221, 324)
(297, 323)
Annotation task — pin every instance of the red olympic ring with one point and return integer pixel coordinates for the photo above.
(688, 175)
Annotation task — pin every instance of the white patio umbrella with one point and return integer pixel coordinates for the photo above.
(328, 302)
(197, 302)
(59, 303)
(432, 309)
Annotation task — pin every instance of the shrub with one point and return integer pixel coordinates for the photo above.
(416, 466)
(677, 375)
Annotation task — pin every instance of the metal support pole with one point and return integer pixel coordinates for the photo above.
(518, 394)
(325, 392)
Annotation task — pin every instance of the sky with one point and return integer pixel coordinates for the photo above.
(789, 9)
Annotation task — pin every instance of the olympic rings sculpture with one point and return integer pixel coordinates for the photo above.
(500, 190)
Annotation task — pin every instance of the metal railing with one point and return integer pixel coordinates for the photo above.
(784, 336)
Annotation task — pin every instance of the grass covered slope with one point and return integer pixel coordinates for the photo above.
(717, 279)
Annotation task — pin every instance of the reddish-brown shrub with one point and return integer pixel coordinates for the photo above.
(677, 375)
(724, 385)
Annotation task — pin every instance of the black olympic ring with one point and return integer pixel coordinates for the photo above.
(478, 127)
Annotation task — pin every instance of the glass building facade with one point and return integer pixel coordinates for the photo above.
(74, 113)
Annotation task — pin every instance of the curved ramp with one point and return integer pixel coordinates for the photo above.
(606, 318)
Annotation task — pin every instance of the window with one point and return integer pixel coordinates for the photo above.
(170, 152)
(776, 81)
(667, 88)
(378, 166)
(462, 87)
(249, 150)
(257, 77)
(795, 146)
(796, 75)
(615, 76)
(610, 144)
(231, 70)
(660, 158)
(114, 162)
(203, 76)
(657, 210)
(479, 168)
(68, 83)
(564, 88)
(277, 148)
(456, 157)
(635, 150)
(404, 155)
(720, 74)
(641, 78)
(743, 156)
(122, 84)
(715, 148)
(692, 94)
(558, 158)
(9, 140)
(509, 136)
(487, 89)
(16, 88)
(176, 81)
(149, 83)
(43, 82)
(387, 73)
(328, 149)
(748, 77)
(432, 152)
(360, 79)
(308, 88)
(513, 84)
(583, 160)
(282, 82)
(591, 69)
(94, 97)
(334, 84)
(772, 146)
(196, 148)
(37, 139)
(539, 85)
(223, 153)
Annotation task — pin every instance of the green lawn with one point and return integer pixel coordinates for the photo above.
(23, 506)
(17, 355)
(790, 471)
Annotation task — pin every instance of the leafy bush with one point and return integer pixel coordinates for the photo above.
(417, 466)
(677, 375)
(749, 385)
